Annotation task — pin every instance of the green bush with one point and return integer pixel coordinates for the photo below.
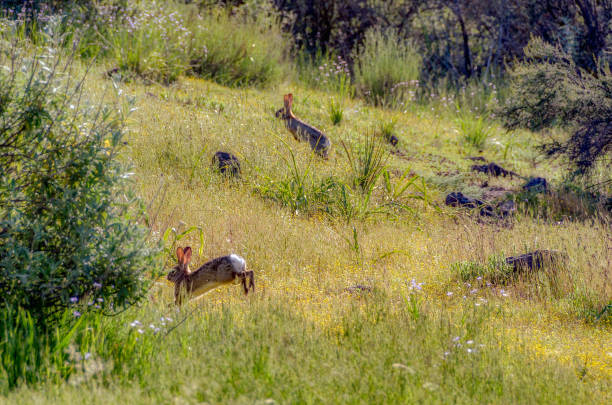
(550, 90)
(386, 68)
(70, 237)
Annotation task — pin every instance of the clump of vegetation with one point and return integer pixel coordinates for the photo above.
(367, 162)
(550, 90)
(326, 72)
(475, 129)
(70, 237)
(386, 68)
(335, 112)
(236, 50)
(156, 43)
(142, 39)
(495, 270)
(387, 131)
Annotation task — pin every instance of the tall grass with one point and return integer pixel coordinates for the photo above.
(236, 51)
(147, 41)
(243, 350)
(367, 161)
(159, 41)
(326, 72)
(386, 68)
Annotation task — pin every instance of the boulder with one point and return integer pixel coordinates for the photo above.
(226, 163)
(536, 260)
(457, 199)
(536, 185)
(493, 169)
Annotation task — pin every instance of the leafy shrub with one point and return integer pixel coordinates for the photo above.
(386, 68)
(549, 90)
(69, 231)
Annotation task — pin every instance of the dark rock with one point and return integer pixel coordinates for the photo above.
(502, 210)
(226, 163)
(536, 260)
(493, 169)
(392, 139)
(487, 211)
(506, 208)
(457, 199)
(536, 185)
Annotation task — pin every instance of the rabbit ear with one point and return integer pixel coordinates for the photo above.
(187, 257)
(179, 254)
(290, 98)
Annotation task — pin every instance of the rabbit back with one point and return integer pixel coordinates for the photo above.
(317, 140)
(214, 273)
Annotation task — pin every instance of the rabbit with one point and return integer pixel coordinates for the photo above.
(212, 274)
(319, 142)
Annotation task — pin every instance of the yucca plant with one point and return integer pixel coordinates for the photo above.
(335, 112)
(367, 161)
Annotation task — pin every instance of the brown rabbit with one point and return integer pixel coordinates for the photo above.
(301, 130)
(216, 272)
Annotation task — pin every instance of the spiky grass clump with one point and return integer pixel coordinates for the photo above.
(475, 129)
(335, 112)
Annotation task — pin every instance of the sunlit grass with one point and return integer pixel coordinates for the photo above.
(302, 337)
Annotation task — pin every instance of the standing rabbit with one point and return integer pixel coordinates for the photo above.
(216, 272)
(301, 130)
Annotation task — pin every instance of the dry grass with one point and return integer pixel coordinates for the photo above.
(305, 262)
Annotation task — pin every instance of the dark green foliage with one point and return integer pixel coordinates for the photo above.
(549, 90)
(69, 231)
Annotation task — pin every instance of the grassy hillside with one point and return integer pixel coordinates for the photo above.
(417, 333)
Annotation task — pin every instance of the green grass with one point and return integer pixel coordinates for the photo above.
(335, 112)
(249, 351)
(302, 337)
(476, 131)
(386, 69)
